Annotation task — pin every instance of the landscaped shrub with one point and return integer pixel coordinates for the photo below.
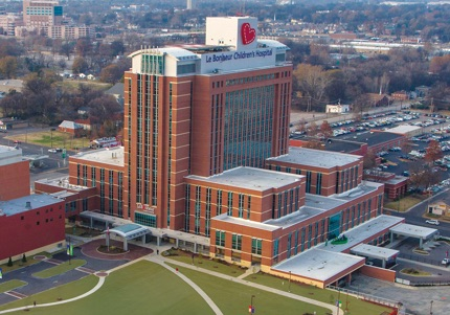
(24, 258)
(10, 263)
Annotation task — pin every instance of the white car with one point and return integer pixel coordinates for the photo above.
(445, 261)
(434, 222)
(52, 150)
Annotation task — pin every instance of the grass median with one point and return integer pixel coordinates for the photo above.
(11, 285)
(60, 269)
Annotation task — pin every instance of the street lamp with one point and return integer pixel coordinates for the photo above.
(337, 302)
(431, 307)
(51, 137)
(290, 274)
(251, 310)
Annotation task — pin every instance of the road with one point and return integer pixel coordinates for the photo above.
(52, 167)
(415, 214)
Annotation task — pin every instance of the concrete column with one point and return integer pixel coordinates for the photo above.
(106, 225)
(125, 244)
(158, 241)
(420, 243)
(91, 221)
(195, 247)
(392, 237)
(384, 264)
(143, 239)
(177, 242)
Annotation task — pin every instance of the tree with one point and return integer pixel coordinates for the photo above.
(67, 49)
(369, 159)
(83, 47)
(423, 176)
(326, 129)
(10, 263)
(314, 144)
(24, 258)
(8, 67)
(111, 74)
(117, 48)
(434, 152)
(312, 129)
(312, 82)
(79, 65)
(359, 105)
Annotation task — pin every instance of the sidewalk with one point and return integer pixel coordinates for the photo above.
(161, 260)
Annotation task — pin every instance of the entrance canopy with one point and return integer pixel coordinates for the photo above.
(129, 231)
(414, 231)
(375, 252)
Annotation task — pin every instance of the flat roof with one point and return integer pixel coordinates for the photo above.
(62, 182)
(251, 178)
(248, 223)
(302, 214)
(19, 205)
(111, 156)
(414, 231)
(362, 232)
(9, 155)
(371, 251)
(129, 231)
(343, 146)
(317, 158)
(362, 189)
(319, 264)
(373, 137)
(404, 129)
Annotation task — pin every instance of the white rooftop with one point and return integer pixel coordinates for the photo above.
(317, 158)
(414, 231)
(403, 129)
(20, 205)
(243, 222)
(362, 232)
(251, 178)
(374, 251)
(111, 156)
(63, 183)
(319, 264)
(9, 155)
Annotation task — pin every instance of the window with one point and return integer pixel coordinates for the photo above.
(220, 238)
(275, 247)
(236, 242)
(256, 246)
(145, 219)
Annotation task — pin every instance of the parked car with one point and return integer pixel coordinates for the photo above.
(445, 261)
(434, 222)
(52, 150)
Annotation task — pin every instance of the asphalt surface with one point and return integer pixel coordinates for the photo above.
(36, 285)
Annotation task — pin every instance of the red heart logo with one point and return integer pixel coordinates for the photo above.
(248, 34)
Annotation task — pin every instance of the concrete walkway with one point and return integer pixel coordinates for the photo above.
(100, 283)
(161, 260)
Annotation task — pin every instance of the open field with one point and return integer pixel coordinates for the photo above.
(141, 288)
(234, 298)
(52, 139)
(403, 204)
(350, 303)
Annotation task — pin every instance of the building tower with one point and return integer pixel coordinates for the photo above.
(201, 110)
(42, 13)
(190, 4)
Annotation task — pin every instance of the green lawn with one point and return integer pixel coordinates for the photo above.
(403, 204)
(62, 268)
(142, 288)
(52, 139)
(354, 305)
(204, 262)
(11, 285)
(234, 298)
(63, 292)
